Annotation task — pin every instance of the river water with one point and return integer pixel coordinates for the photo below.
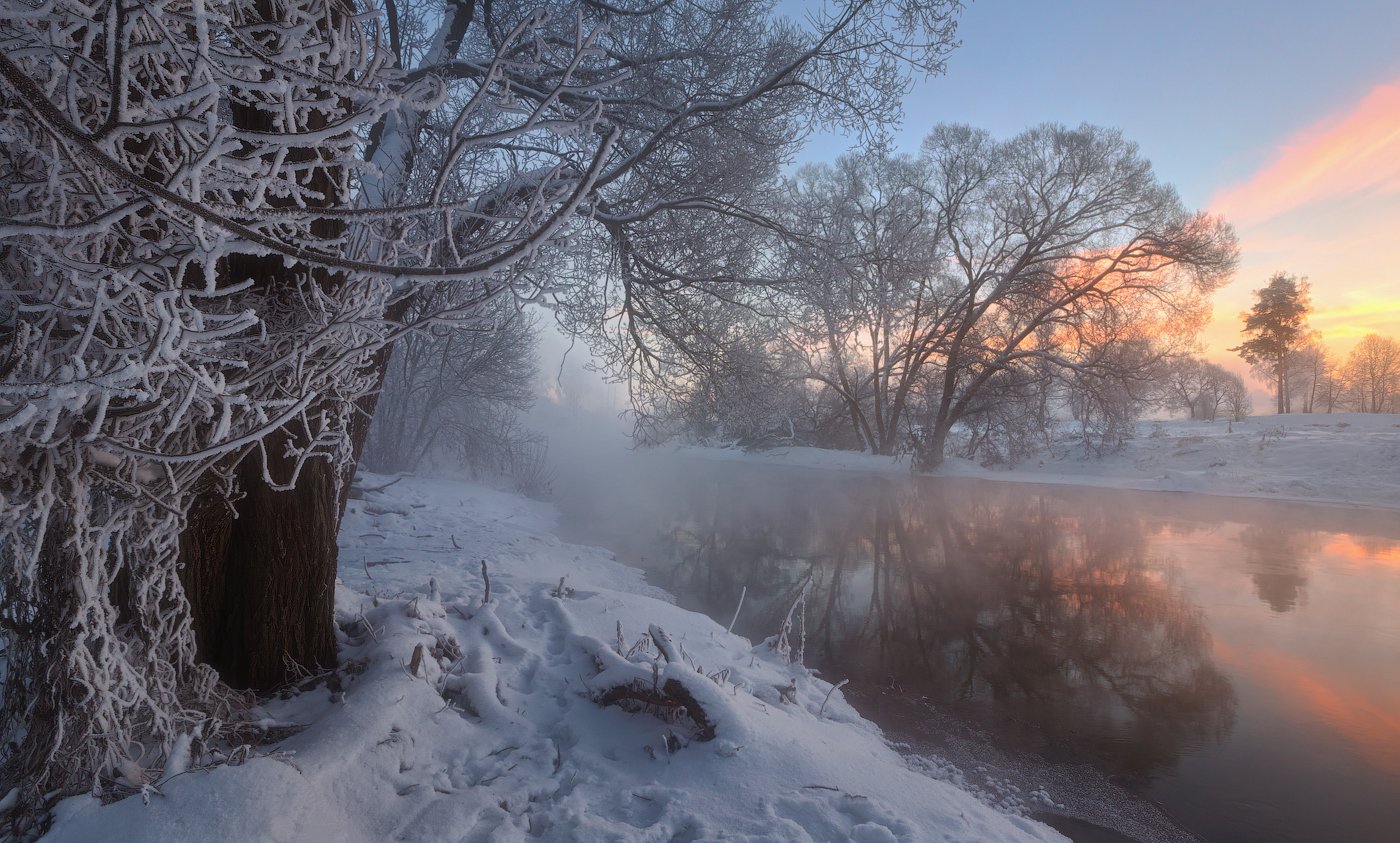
(1151, 663)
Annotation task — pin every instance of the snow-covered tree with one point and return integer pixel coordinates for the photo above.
(943, 290)
(1308, 372)
(179, 292)
(1057, 228)
(1202, 389)
(868, 276)
(1372, 374)
(216, 217)
(1237, 401)
(703, 220)
(455, 390)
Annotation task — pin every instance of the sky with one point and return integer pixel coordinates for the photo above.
(1282, 116)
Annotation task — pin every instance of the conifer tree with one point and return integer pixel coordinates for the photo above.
(1276, 324)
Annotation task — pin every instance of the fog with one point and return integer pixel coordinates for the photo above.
(914, 589)
(582, 414)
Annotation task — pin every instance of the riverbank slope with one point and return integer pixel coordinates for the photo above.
(455, 717)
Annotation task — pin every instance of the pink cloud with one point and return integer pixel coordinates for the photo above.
(1349, 154)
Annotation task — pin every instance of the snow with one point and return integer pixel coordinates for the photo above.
(1348, 458)
(498, 735)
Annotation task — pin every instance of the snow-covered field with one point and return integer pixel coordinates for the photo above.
(493, 731)
(1349, 458)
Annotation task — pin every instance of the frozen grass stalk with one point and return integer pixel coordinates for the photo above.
(829, 692)
(742, 592)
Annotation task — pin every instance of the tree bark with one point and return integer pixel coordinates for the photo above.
(260, 574)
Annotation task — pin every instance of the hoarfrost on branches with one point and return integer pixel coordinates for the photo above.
(215, 212)
(159, 158)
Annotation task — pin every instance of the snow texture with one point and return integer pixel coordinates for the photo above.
(493, 731)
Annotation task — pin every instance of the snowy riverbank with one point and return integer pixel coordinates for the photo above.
(499, 736)
(1348, 458)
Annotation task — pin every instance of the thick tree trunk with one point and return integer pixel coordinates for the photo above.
(260, 574)
(204, 550)
(259, 571)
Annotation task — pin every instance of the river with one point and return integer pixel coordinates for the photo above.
(1148, 663)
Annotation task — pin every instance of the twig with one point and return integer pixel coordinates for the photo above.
(369, 627)
(663, 643)
(782, 645)
(365, 491)
(802, 618)
(742, 592)
(487, 577)
(829, 692)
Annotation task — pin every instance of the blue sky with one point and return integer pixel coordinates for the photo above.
(1208, 89)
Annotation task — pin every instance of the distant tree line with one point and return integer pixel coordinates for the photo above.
(971, 300)
(1203, 390)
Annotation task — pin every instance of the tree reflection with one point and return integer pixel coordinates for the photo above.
(1274, 557)
(1051, 614)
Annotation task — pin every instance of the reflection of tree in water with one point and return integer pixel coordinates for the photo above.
(970, 594)
(1274, 556)
(738, 538)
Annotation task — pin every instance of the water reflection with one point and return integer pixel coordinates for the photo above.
(1056, 616)
(1234, 658)
(1365, 550)
(1274, 557)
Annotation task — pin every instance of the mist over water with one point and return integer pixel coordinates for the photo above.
(1232, 660)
